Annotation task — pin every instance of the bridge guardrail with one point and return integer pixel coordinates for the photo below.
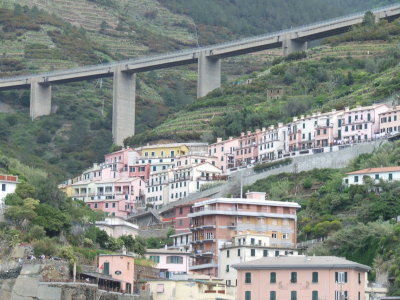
(200, 49)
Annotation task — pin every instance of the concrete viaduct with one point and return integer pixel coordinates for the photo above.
(209, 67)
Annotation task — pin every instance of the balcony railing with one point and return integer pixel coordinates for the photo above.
(211, 264)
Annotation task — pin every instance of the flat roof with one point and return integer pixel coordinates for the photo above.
(247, 201)
(165, 251)
(300, 262)
(376, 170)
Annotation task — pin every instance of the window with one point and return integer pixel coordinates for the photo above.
(106, 268)
(238, 252)
(314, 277)
(252, 241)
(285, 236)
(227, 269)
(272, 278)
(180, 222)
(359, 278)
(247, 277)
(272, 295)
(355, 178)
(390, 176)
(156, 258)
(253, 252)
(276, 252)
(227, 253)
(314, 295)
(341, 277)
(293, 277)
(180, 210)
(3, 187)
(265, 253)
(293, 295)
(247, 295)
(174, 260)
(274, 235)
(95, 205)
(113, 205)
(377, 176)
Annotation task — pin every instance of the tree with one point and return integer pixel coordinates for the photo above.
(369, 19)
(52, 219)
(22, 213)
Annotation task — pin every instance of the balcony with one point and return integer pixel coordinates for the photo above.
(211, 264)
(201, 253)
(247, 244)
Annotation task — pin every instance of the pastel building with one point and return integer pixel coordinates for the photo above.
(8, 185)
(375, 174)
(172, 150)
(360, 123)
(216, 221)
(243, 248)
(390, 121)
(224, 151)
(174, 262)
(301, 277)
(120, 267)
(247, 150)
(117, 197)
(326, 129)
(116, 227)
(272, 142)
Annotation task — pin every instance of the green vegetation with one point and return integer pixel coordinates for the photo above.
(359, 220)
(270, 165)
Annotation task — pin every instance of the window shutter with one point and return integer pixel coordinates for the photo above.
(336, 276)
(345, 277)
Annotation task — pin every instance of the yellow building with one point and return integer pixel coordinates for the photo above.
(165, 289)
(163, 150)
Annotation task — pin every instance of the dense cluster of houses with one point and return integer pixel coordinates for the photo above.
(155, 175)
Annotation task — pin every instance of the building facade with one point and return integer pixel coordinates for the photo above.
(375, 174)
(8, 185)
(174, 262)
(216, 221)
(301, 277)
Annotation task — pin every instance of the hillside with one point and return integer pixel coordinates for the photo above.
(344, 71)
(357, 222)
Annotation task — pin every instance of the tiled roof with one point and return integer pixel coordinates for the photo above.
(376, 170)
(301, 262)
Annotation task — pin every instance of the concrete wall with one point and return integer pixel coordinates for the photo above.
(334, 160)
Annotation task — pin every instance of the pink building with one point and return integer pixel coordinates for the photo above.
(301, 277)
(224, 152)
(247, 151)
(216, 221)
(390, 121)
(360, 123)
(175, 262)
(120, 267)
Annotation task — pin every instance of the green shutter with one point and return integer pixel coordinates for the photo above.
(272, 295)
(273, 277)
(247, 295)
(315, 277)
(345, 277)
(248, 277)
(293, 295)
(294, 277)
(336, 276)
(315, 295)
(106, 269)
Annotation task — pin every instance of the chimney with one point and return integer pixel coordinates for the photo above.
(346, 108)
(295, 119)
(242, 134)
(333, 110)
(258, 130)
(248, 132)
(230, 138)
(219, 140)
(263, 129)
(302, 117)
(280, 124)
(256, 195)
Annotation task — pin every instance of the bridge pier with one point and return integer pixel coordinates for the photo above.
(124, 100)
(289, 46)
(209, 74)
(40, 103)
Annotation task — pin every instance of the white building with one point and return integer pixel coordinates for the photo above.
(376, 174)
(272, 142)
(246, 247)
(116, 227)
(8, 184)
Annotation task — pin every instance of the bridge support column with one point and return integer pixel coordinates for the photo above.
(40, 104)
(209, 75)
(289, 46)
(124, 100)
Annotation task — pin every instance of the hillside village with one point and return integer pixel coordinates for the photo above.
(230, 208)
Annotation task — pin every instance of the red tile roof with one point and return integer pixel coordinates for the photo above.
(376, 170)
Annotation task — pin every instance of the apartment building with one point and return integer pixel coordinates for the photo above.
(224, 151)
(390, 121)
(216, 221)
(301, 277)
(272, 142)
(360, 123)
(172, 150)
(174, 262)
(375, 174)
(117, 197)
(247, 151)
(243, 248)
(326, 129)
